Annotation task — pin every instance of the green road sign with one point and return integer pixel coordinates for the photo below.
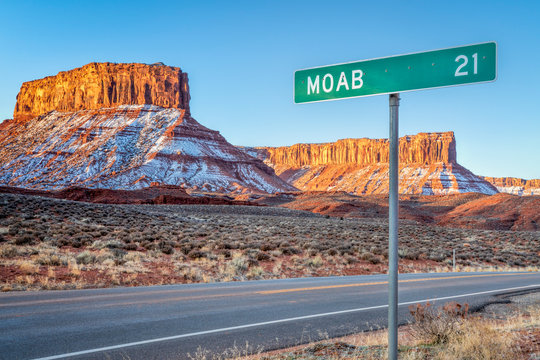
(431, 69)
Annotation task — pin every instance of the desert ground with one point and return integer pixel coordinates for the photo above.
(50, 243)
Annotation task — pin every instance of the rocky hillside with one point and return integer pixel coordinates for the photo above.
(428, 165)
(86, 131)
(515, 186)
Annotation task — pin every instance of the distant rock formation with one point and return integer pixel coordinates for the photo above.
(104, 85)
(423, 148)
(515, 186)
(428, 165)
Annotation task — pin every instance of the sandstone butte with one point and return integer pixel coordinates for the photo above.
(120, 126)
(428, 165)
(101, 85)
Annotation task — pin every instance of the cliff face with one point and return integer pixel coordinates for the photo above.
(423, 148)
(428, 165)
(101, 85)
(515, 186)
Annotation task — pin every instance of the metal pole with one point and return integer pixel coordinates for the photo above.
(393, 229)
(454, 260)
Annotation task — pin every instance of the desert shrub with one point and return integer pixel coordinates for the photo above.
(25, 239)
(350, 259)
(196, 254)
(312, 252)
(252, 262)
(131, 246)
(226, 253)
(251, 245)
(290, 251)
(437, 326)
(14, 229)
(408, 254)
(262, 256)
(51, 260)
(255, 272)
(345, 249)
(437, 257)
(315, 262)
(186, 248)
(332, 252)
(167, 249)
(238, 265)
(267, 246)
(376, 250)
(85, 258)
(110, 244)
(10, 252)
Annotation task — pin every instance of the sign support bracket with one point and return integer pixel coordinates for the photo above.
(393, 203)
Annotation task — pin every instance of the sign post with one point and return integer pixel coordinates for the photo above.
(393, 227)
(391, 75)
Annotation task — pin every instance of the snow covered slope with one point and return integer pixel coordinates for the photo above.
(426, 179)
(127, 147)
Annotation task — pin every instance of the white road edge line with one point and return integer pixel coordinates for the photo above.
(143, 342)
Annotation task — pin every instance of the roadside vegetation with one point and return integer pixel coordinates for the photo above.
(49, 243)
(500, 332)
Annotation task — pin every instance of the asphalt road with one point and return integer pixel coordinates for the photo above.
(170, 322)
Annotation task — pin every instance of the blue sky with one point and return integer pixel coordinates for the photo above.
(241, 57)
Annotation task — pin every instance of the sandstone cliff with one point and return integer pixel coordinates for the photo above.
(515, 186)
(423, 148)
(100, 85)
(428, 165)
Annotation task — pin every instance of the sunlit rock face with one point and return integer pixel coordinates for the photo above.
(103, 85)
(428, 165)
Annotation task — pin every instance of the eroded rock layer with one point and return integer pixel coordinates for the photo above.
(104, 85)
(127, 147)
(515, 186)
(428, 165)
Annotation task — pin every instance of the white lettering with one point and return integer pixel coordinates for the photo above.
(357, 81)
(313, 86)
(342, 82)
(327, 76)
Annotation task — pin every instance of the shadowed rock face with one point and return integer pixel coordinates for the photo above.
(103, 85)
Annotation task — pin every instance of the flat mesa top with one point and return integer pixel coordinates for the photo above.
(461, 65)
